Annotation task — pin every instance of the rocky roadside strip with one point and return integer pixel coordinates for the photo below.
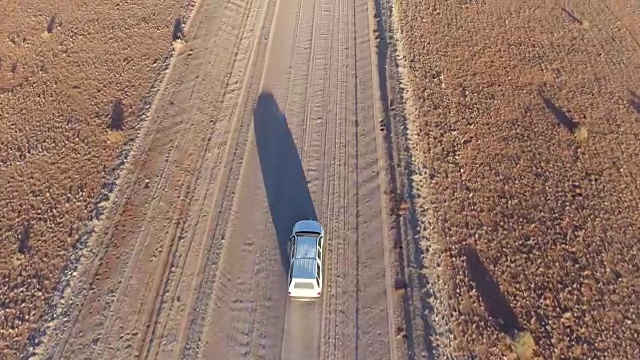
(415, 319)
(524, 144)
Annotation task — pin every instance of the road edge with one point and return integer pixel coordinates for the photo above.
(411, 288)
(62, 306)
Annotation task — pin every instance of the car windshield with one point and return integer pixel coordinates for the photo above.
(307, 233)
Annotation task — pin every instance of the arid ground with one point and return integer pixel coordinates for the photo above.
(474, 164)
(73, 77)
(525, 126)
(269, 113)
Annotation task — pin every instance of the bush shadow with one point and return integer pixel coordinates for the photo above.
(571, 16)
(52, 24)
(560, 115)
(116, 119)
(24, 237)
(284, 180)
(178, 29)
(634, 101)
(493, 299)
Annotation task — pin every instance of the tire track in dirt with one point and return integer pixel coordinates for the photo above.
(298, 89)
(211, 278)
(171, 340)
(152, 252)
(280, 104)
(244, 316)
(338, 325)
(229, 30)
(333, 181)
(301, 337)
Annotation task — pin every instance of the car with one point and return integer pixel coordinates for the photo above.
(305, 268)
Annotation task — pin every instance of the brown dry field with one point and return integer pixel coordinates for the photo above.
(63, 65)
(525, 126)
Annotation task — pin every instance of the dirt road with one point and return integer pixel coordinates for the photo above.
(268, 116)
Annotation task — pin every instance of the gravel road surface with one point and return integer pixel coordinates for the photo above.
(269, 114)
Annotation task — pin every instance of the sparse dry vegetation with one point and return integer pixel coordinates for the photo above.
(523, 345)
(526, 121)
(73, 78)
(527, 134)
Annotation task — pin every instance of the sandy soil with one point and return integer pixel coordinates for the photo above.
(269, 114)
(525, 130)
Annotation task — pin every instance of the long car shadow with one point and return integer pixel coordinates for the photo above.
(282, 172)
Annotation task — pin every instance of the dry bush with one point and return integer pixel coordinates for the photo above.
(503, 95)
(62, 68)
(524, 346)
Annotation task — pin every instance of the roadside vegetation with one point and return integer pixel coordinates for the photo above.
(526, 134)
(74, 78)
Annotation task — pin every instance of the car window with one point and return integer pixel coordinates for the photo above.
(320, 254)
(318, 269)
(320, 242)
(303, 285)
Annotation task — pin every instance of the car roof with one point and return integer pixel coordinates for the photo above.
(304, 269)
(304, 260)
(306, 247)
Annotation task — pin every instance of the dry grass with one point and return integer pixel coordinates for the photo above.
(581, 134)
(524, 346)
(62, 67)
(530, 229)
